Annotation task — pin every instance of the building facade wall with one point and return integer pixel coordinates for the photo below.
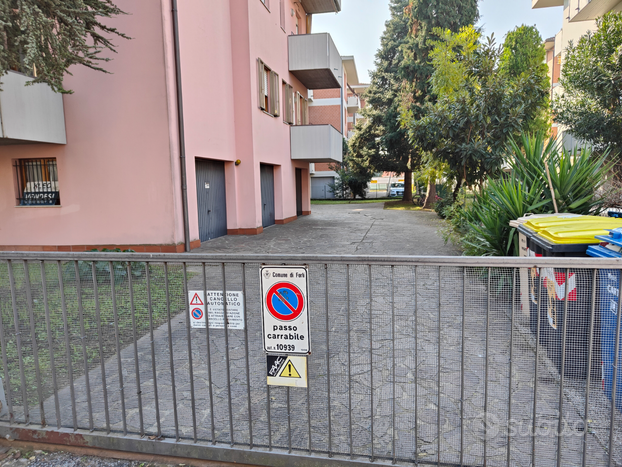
(120, 174)
(116, 165)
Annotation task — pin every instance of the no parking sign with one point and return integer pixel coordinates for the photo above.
(284, 291)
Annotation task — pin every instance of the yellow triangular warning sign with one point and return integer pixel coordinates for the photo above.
(289, 371)
(196, 300)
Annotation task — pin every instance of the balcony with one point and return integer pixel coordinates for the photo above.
(314, 7)
(587, 10)
(30, 114)
(316, 143)
(546, 3)
(315, 61)
(354, 104)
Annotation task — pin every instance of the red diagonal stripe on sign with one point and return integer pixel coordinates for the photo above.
(287, 304)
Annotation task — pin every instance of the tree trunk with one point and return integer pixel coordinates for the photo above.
(457, 189)
(408, 186)
(430, 197)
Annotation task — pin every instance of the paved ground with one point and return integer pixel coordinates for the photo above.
(364, 229)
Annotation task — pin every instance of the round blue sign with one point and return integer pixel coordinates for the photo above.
(197, 313)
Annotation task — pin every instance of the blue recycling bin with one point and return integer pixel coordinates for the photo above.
(608, 293)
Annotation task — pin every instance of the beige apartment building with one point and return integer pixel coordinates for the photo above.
(579, 18)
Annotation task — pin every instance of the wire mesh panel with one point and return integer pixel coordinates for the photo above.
(413, 361)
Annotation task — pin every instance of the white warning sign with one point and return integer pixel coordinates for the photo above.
(287, 371)
(211, 303)
(284, 291)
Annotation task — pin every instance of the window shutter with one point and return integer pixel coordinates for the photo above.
(261, 73)
(305, 112)
(290, 104)
(276, 95)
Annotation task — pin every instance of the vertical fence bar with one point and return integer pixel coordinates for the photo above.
(115, 314)
(87, 382)
(464, 287)
(170, 346)
(416, 313)
(393, 361)
(513, 311)
(189, 337)
(349, 358)
(269, 416)
(209, 357)
(438, 376)
(153, 355)
(227, 361)
(330, 427)
(535, 376)
(18, 338)
(48, 328)
(67, 345)
(371, 362)
(486, 364)
(562, 374)
(289, 424)
(139, 393)
(33, 337)
(588, 379)
(7, 379)
(102, 359)
(616, 362)
(248, 386)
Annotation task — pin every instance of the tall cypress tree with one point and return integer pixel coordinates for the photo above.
(402, 71)
(416, 69)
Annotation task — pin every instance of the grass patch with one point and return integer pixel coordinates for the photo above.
(87, 305)
(347, 201)
(403, 206)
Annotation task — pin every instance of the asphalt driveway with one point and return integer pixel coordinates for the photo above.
(345, 229)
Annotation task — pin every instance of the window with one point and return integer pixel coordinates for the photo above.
(37, 182)
(288, 104)
(296, 107)
(283, 15)
(269, 94)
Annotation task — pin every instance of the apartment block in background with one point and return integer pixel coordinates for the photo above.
(101, 167)
(340, 108)
(579, 17)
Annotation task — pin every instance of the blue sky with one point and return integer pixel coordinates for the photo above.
(357, 29)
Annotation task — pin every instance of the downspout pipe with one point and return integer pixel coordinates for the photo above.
(181, 129)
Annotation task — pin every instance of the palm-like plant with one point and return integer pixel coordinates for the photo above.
(576, 177)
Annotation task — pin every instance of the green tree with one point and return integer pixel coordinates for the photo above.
(426, 18)
(381, 142)
(524, 54)
(46, 37)
(353, 176)
(590, 106)
(479, 107)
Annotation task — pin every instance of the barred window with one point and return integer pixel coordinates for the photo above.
(37, 182)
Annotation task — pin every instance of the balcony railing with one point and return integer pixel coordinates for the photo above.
(30, 114)
(354, 104)
(316, 143)
(315, 61)
(588, 10)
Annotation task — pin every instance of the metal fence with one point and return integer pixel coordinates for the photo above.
(415, 360)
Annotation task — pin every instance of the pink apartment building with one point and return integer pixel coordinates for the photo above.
(226, 91)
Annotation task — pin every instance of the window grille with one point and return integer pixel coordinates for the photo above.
(37, 182)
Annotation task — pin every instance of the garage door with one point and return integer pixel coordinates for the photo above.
(267, 194)
(211, 199)
(320, 187)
